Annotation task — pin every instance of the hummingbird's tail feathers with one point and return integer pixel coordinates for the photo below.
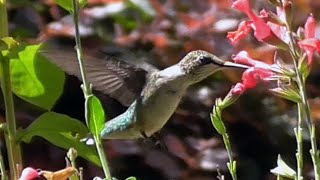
(115, 78)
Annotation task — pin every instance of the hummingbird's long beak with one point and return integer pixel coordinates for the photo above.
(235, 65)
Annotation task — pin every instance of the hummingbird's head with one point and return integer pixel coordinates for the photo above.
(200, 64)
(198, 60)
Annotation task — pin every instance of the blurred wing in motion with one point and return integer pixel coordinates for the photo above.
(116, 78)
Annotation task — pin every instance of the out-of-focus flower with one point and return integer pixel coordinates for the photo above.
(310, 44)
(310, 27)
(276, 22)
(60, 174)
(29, 174)
(243, 30)
(262, 31)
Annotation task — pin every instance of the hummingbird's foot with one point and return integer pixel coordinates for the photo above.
(144, 135)
(156, 139)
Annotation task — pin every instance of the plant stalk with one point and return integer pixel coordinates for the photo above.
(87, 89)
(305, 111)
(299, 138)
(3, 174)
(231, 163)
(13, 147)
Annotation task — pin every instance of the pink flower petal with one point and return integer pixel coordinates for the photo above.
(243, 30)
(238, 89)
(242, 5)
(243, 58)
(253, 75)
(249, 78)
(310, 27)
(310, 45)
(262, 30)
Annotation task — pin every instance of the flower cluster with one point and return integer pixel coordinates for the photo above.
(262, 31)
(258, 71)
(273, 29)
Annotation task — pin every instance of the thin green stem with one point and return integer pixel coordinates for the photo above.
(76, 8)
(231, 163)
(13, 148)
(3, 174)
(299, 138)
(2, 169)
(87, 89)
(3, 19)
(314, 153)
(306, 110)
(103, 158)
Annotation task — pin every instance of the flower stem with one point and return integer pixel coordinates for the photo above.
(13, 148)
(299, 137)
(305, 110)
(103, 158)
(87, 89)
(3, 174)
(231, 164)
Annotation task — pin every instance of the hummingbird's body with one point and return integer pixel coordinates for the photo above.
(152, 109)
(158, 98)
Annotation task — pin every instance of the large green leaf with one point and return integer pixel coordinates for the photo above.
(35, 79)
(62, 131)
(96, 115)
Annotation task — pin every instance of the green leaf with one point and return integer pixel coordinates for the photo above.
(62, 131)
(9, 47)
(7, 43)
(35, 79)
(303, 67)
(217, 121)
(67, 4)
(289, 93)
(96, 115)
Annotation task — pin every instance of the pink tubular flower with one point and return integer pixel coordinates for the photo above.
(29, 174)
(238, 89)
(310, 27)
(310, 44)
(250, 78)
(262, 30)
(279, 30)
(253, 75)
(243, 30)
(243, 58)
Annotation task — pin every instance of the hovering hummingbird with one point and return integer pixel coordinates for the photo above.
(152, 96)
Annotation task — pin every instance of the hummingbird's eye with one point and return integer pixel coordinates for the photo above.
(205, 60)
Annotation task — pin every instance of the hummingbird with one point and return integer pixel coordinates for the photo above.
(152, 95)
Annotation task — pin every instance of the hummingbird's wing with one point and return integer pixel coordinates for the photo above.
(116, 78)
